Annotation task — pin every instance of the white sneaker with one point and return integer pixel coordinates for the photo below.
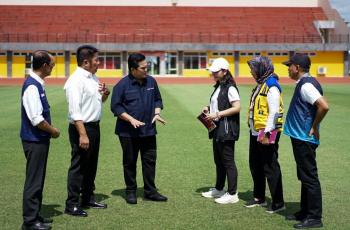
(227, 199)
(213, 193)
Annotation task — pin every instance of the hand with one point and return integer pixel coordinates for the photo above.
(314, 131)
(84, 142)
(205, 109)
(135, 123)
(157, 117)
(211, 116)
(265, 141)
(103, 89)
(56, 133)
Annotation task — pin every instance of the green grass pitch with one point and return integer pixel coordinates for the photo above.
(185, 168)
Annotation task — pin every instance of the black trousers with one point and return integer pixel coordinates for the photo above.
(263, 163)
(36, 154)
(225, 165)
(147, 146)
(311, 196)
(82, 171)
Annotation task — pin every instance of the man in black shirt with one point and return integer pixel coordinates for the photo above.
(137, 103)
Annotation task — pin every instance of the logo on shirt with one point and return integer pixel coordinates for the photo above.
(150, 88)
(42, 95)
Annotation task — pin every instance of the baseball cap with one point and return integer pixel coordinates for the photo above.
(219, 64)
(302, 60)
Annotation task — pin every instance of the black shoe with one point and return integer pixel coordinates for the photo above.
(309, 223)
(296, 216)
(45, 220)
(131, 198)
(255, 203)
(94, 205)
(36, 226)
(276, 208)
(155, 197)
(75, 211)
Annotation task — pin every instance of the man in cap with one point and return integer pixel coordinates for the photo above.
(306, 110)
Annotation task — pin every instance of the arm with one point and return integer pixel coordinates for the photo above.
(118, 109)
(104, 91)
(45, 126)
(74, 97)
(135, 123)
(83, 138)
(234, 99)
(273, 100)
(236, 107)
(158, 105)
(322, 109)
(311, 95)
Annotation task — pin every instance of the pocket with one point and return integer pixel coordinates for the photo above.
(131, 96)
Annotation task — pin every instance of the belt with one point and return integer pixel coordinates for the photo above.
(92, 123)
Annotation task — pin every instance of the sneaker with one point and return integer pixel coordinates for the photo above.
(213, 193)
(276, 208)
(227, 198)
(256, 203)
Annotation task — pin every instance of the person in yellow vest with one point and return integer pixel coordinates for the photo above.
(265, 121)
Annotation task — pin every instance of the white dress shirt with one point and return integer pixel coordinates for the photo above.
(84, 99)
(232, 96)
(32, 103)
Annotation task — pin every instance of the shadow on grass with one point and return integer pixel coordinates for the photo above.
(101, 197)
(202, 189)
(49, 210)
(121, 193)
(291, 207)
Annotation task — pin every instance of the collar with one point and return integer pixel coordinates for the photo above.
(37, 78)
(84, 72)
(304, 75)
(135, 81)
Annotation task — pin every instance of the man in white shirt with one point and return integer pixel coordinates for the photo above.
(306, 111)
(36, 131)
(85, 95)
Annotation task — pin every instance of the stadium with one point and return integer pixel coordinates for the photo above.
(180, 39)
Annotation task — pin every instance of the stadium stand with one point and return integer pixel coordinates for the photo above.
(179, 40)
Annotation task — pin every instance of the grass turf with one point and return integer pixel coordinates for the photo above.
(185, 168)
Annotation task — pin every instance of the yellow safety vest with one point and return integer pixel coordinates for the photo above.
(261, 110)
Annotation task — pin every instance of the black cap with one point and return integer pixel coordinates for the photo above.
(302, 60)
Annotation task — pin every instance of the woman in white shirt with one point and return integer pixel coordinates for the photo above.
(224, 110)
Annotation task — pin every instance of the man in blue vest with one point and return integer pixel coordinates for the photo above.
(36, 131)
(306, 110)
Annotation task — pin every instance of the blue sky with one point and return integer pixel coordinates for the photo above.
(343, 7)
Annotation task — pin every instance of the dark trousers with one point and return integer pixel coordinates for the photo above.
(36, 154)
(225, 165)
(263, 163)
(147, 146)
(82, 171)
(311, 196)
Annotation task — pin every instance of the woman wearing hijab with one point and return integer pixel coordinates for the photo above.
(265, 123)
(224, 110)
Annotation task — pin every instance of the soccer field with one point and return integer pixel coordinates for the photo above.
(185, 168)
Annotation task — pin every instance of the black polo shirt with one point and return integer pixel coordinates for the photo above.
(139, 100)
